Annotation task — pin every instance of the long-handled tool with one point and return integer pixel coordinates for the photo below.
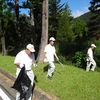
(60, 63)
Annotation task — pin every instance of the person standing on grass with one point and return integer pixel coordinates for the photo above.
(90, 59)
(26, 58)
(49, 53)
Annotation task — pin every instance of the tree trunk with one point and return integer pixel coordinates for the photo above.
(44, 36)
(3, 39)
(17, 9)
(32, 26)
(3, 46)
(16, 2)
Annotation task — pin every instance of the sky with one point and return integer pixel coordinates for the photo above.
(77, 7)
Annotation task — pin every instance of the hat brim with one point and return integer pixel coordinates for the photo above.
(52, 40)
(94, 46)
(32, 50)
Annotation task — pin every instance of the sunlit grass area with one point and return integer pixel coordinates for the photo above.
(68, 83)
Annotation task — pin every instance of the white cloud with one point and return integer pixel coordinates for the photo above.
(78, 13)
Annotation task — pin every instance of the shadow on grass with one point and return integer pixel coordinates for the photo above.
(45, 69)
(35, 78)
(33, 88)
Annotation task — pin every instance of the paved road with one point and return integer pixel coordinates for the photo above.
(5, 94)
(8, 93)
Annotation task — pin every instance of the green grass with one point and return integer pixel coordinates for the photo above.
(7, 64)
(68, 83)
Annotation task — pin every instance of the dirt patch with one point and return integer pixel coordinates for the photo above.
(6, 79)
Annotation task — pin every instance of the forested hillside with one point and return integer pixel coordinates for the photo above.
(86, 16)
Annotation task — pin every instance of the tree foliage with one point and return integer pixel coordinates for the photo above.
(4, 18)
(94, 22)
(95, 6)
(80, 30)
(55, 10)
(65, 32)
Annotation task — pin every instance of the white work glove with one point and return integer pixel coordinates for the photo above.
(35, 65)
(21, 65)
(89, 59)
(45, 60)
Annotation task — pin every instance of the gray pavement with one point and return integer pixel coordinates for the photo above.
(6, 94)
(6, 82)
(5, 86)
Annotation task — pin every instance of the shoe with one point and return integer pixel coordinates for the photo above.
(50, 77)
(92, 70)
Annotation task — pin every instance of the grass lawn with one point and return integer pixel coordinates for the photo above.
(68, 83)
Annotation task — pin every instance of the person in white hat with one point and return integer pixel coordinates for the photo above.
(49, 53)
(26, 58)
(90, 59)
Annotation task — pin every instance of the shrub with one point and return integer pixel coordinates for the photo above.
(79, 59)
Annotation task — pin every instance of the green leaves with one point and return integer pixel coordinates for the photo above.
(79, 27)
(79, 59)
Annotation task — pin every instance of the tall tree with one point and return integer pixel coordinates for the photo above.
(3, 12)
(65, 32)
(94, 25)
(30, 5)
(95, 6)
(34, 7)
(44, 36)
(17, 9)
(55, 10)
(80, 30)
(26, 4)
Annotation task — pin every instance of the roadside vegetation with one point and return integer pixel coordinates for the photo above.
(68, 83)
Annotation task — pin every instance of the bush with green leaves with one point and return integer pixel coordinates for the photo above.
(79, 59)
